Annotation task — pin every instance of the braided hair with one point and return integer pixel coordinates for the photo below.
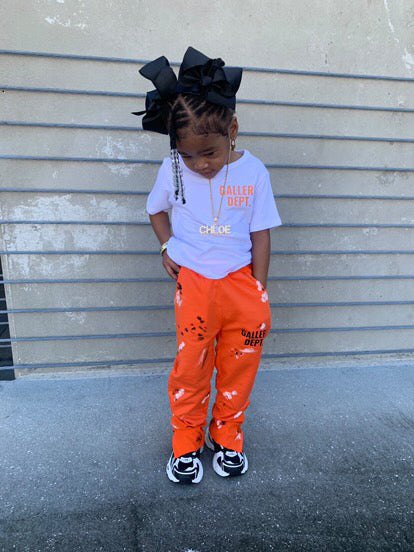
(192, 112)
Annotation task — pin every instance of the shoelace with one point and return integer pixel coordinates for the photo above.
(233, 456)
(184, 459)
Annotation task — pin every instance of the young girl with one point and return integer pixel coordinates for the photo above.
(217, 249)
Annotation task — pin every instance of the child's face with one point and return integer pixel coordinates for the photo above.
(205, 154)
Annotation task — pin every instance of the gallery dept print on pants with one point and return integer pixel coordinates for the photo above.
(235, 312)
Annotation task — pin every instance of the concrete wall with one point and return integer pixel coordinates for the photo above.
(341, 277)
(358, 36)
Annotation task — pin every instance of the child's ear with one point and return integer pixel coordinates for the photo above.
(234, 128)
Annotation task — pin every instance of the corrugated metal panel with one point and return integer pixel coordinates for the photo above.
(80, 260)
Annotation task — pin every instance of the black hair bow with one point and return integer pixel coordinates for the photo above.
(156, 101)
(198, 75)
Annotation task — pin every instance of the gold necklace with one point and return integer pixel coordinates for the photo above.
(215, 228)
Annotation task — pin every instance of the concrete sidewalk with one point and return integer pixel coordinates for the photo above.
(331, 454)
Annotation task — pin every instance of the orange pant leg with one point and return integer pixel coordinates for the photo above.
(246, 323)
(189, 382)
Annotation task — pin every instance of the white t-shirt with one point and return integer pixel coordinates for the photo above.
(248, 206)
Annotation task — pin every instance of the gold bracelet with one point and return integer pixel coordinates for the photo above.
(163, 248)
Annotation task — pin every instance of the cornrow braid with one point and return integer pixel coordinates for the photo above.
(201, 117)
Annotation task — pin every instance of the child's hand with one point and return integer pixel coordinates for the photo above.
(170, 266)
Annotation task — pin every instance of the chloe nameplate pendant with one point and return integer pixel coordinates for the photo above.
(215, 229)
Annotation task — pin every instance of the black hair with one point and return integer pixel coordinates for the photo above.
(192, 112)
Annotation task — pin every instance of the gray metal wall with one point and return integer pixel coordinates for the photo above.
(83, 279)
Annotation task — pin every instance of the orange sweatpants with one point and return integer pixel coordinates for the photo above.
(219, 323)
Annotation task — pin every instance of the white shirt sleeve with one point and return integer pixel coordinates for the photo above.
(265, 214)
(159, 197)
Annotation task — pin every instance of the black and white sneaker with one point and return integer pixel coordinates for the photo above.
(185, 469)
(226, 462)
